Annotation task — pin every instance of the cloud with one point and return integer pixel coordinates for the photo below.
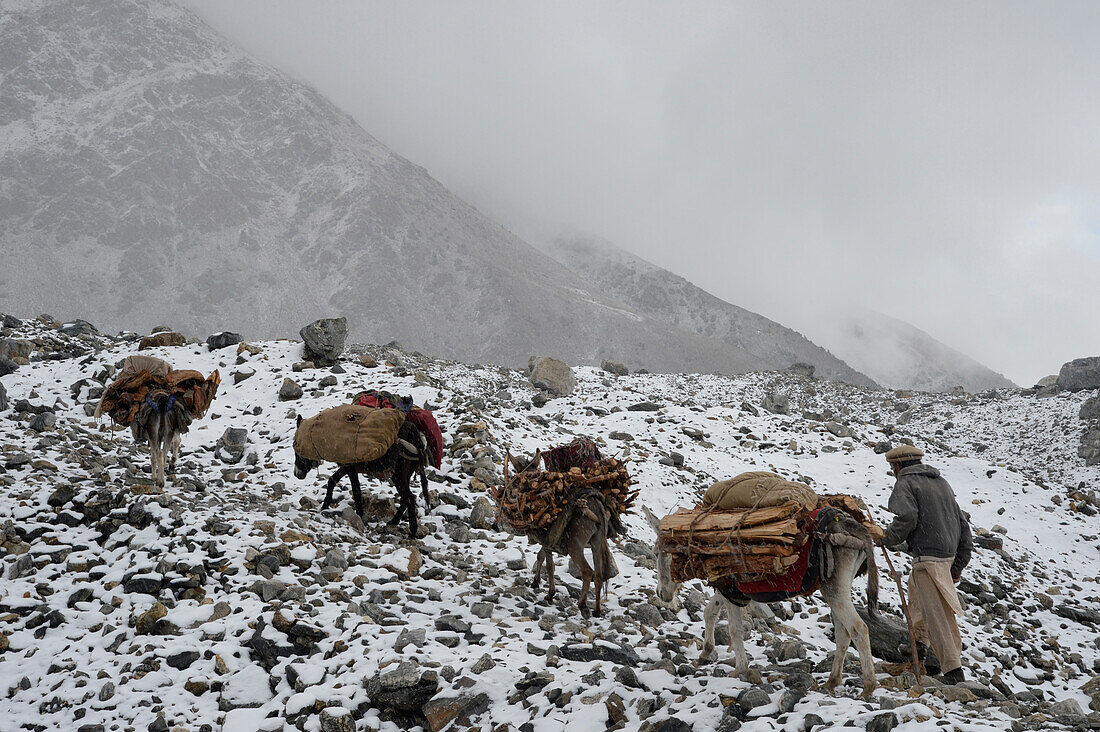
(936, 161)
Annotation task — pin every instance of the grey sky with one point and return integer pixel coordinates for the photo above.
(939, 162)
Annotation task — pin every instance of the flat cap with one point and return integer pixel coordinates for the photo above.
(904, 453)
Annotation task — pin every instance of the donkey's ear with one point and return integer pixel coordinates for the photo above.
(299, 422)
(653, 520)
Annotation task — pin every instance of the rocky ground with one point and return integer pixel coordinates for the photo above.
(228, 600)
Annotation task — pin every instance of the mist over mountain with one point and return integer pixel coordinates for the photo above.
(667, 297)
(899, 355)
(162, 175)
(874, 347)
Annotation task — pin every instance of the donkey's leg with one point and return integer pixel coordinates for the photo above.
(841, 626)
(710, 621)
(174, 451)
(576, 553)
(736, 624)
(536, 572)
(332, 481)
(424, 484)
(356, 493)
(401, 477)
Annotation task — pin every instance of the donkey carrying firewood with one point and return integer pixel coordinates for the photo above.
(407, 454)
(845, 548)
(584, 522)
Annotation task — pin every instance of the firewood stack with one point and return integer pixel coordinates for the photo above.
(752, 543)
(532, 499)
(712, 542)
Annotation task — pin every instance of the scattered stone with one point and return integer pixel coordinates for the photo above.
(290, 390)
(614, 367)
(483, 514)
(43, 422)
(443, 711)
(883, 722)
(162, 340)
(222, 340)
(776, 403)
(644, 407)
(231, 446)
(805, 370)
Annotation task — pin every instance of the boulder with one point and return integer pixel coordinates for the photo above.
(7, 366)
(1079, 374)
(324, 340)
(222, 340)
(776, 403)
(1090, 447)
(3, 398)
(614, 367)
(162, 339)
(231, 446)
(290, 390)
(552, 375)
(78, 328)
(1090, 409)
(483, 515)
(440, 712)
(805, 370)
(403, 689)
(43, 422)
(15, 349)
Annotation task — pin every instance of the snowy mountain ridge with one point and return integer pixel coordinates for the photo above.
(230, 600)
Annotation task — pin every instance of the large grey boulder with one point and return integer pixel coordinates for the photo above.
(552, 375)
(16, 349)
(1090, 409)
(1090, 447)
(1079, 374)
(222, 340)
(614, 367)
(776, 403)
(324, 340)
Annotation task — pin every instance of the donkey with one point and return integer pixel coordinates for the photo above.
(160, 421)
(408, 453)
(587, 524)
(846, 547)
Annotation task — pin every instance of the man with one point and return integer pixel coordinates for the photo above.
(930, 525)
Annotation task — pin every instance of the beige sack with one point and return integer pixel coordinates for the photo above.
(348, 434)
(758, 489)
(152, 364)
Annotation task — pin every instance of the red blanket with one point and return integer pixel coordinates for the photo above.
(425, 420)
(795, 581)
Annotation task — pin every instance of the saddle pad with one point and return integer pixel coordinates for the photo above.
(348, 434)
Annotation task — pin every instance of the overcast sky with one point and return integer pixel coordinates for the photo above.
(939, 162)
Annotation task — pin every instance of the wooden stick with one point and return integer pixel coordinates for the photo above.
(908, 617)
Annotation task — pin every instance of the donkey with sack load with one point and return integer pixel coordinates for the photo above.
(834, 549)
(380, 443)
(158, 403)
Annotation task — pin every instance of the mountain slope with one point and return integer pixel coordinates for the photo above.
(669, 298)
(151, 172)
(901, 356)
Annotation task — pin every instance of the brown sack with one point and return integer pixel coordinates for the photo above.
(348, 434)
(158, 367)
(758, 489)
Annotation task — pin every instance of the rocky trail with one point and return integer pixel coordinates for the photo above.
(229, 600)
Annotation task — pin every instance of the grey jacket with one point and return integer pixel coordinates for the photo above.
(927, 518)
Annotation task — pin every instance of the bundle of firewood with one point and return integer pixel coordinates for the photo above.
(532, 499)
(710, 544)
(751, 544)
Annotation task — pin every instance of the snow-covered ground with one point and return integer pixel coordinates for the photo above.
(278, 616)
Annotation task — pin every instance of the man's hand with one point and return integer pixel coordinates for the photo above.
(956, 575)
